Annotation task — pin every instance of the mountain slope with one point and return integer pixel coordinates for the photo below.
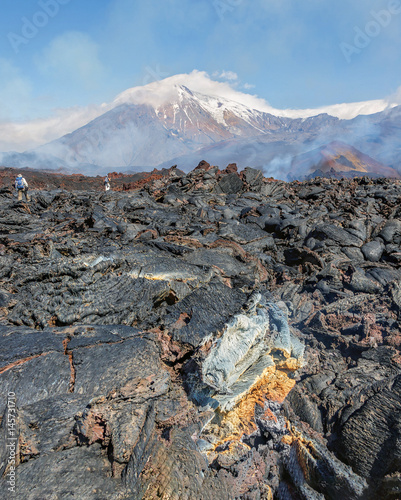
(146, 134)
(162, 124)
(338, 159)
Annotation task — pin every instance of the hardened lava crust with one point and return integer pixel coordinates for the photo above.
(214, 335)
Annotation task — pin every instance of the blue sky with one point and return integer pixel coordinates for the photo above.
(293, 54)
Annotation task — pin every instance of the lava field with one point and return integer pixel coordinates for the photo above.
(205, 336)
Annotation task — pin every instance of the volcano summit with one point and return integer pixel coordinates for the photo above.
(169, 123)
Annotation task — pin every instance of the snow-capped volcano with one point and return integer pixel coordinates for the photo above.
(26, 135)
(196, 113)
(139, 131)
(162, 91)
(167, 122)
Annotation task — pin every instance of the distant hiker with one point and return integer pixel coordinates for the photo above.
(21, 187)
(106, 183)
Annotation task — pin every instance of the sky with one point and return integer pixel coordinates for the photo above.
(61, 60)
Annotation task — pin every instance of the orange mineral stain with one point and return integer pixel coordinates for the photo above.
(273, 385)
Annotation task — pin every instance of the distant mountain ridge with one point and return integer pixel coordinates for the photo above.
(182, 127)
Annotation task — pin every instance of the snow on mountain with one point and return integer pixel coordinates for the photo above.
(168, 122)
(20, 136)
(161, 91)
(135, 132)
(177, 105)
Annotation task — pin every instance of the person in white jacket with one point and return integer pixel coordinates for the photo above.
(21, 187)
(107, 183)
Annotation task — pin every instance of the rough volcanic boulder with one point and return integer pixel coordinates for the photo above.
(230, 184)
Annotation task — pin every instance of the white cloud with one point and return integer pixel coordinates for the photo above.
(226, 75)
(20, 136)
(72, 57)
(161, 91)
(395, 99)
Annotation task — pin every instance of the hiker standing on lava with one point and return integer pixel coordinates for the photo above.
(21, 187)
(107, 183)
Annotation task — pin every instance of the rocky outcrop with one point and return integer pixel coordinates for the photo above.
(214, 335)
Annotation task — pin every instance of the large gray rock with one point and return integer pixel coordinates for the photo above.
(203, 311)
(244, 351)
(373, 250)
(338, 235)
(391, 232)
(253, 177)
(230, 184)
